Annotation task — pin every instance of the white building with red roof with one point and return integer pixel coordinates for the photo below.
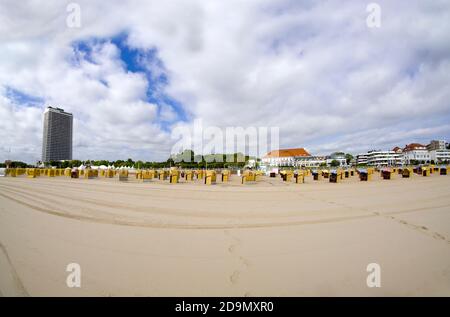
(416, 152)
(285, 157)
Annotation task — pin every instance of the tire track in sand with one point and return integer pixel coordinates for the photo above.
(37, 205)
(44, 208)
(10, 285)
(390, 215)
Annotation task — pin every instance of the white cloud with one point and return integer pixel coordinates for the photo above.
(313, 68)
(19, 130)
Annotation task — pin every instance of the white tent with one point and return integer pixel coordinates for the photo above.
(101, 167)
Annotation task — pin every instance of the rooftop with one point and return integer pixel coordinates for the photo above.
(288, 153)
(55, 109)
(414, 146)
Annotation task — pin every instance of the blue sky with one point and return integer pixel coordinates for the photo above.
(136, 61)
(22, 98)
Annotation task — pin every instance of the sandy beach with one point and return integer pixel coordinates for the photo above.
(258, 239)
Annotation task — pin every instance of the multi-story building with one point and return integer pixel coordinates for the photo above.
(286, 157)
(337, 156)
(310, 161)
(416, 152)
(440, 156)
(385, 158)
(436, 145)
(57, 139)
(380, 158)
(300, 158)
(436, 152)
(361, 159)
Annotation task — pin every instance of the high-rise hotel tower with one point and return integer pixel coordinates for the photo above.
(57, 140)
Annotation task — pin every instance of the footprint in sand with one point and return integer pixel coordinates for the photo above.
(244, 261)
(234, 277)
(232, 248)
(439, 236)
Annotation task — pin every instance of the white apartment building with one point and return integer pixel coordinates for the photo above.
(439, 156)
(438, 151)
(361, 159)
(337, 156)
(384, 158)
(435, 151)
(411, 153)
(436, 145)
(380, 158)
(310, 161)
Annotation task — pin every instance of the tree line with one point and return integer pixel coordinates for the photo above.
(185, 159)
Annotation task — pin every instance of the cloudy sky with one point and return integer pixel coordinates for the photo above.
(135, 70)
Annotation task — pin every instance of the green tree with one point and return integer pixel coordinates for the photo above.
(187, 156)
(139, 164)
(334, 163)
(75, 163)
(130, 162)
(18, 164)
(170, 162)
(348, 158)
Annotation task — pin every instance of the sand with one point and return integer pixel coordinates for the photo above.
(259, 239)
